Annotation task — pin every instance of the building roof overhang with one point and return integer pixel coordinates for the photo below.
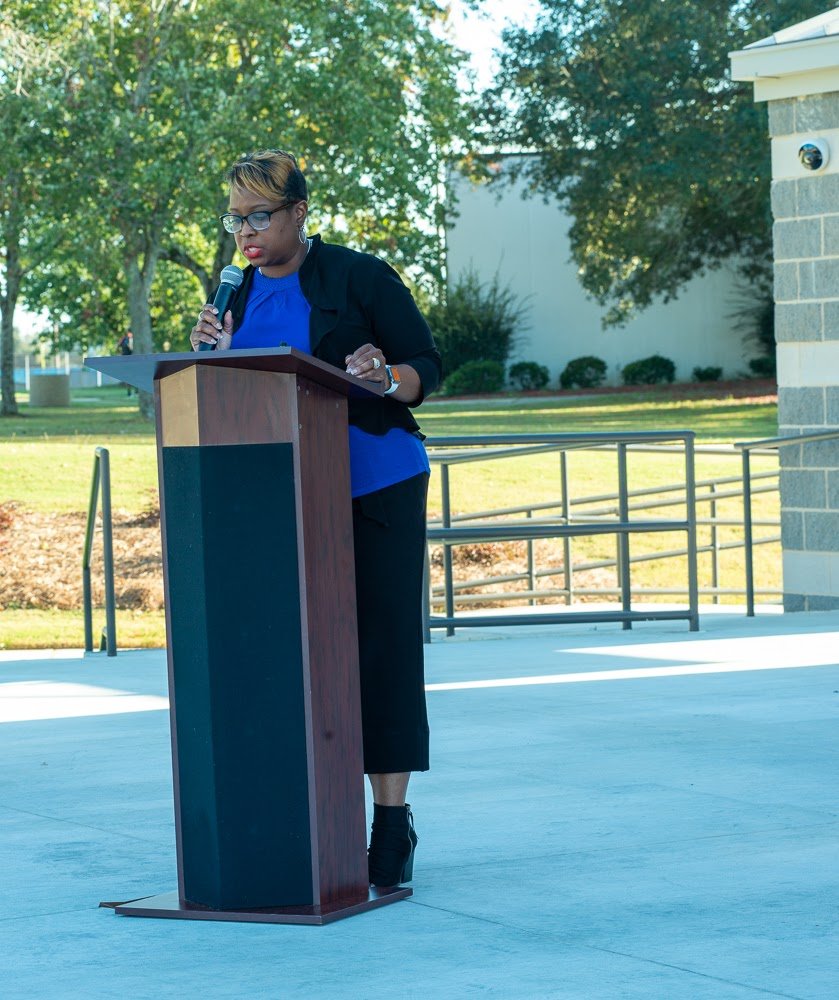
(799, 60)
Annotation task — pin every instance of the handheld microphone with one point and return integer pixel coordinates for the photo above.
(231, 277)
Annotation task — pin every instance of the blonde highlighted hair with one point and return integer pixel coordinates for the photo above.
(272, 173)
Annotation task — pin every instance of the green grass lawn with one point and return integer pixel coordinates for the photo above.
(37, 628)
(46, 456)
(710, 419)
(46, 461)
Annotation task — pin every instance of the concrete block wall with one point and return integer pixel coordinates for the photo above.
(805, 207)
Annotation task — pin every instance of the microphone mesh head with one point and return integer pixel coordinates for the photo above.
(232, 275)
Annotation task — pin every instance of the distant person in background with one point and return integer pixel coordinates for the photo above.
(126, 346)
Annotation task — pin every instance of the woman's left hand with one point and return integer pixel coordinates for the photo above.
(368, 363)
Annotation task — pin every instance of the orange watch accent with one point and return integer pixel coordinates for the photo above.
(395, 379)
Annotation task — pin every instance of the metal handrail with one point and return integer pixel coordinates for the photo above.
(493, 446)
(746, 447)
(583, 502)
(565, 509)
(101, 478)
(549, 571)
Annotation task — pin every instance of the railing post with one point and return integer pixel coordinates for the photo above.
(531, 567)
(715, 547)
(566, 517)
(108, 555)
(448, 572)
(101, 478)
(747, 532)
(623, 537)
(88, 545)
(690, 501)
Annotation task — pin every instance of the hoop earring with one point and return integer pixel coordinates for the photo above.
(301, 234)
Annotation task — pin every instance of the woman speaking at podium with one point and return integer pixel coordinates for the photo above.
(352, 310)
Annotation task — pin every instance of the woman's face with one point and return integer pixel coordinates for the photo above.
(276, 250)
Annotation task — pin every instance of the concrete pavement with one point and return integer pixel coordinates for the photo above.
(609, 814)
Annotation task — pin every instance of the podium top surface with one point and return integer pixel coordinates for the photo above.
(141, 370)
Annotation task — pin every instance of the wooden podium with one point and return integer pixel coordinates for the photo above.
(262, 646)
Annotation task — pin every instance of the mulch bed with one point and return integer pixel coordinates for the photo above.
(41, 561)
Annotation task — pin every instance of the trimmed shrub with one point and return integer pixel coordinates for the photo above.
(526, 375)
(649, 371)
(474, 377)
(763, 367)
(710, 374)
(586, 372)
(754, 317)
(477, 321)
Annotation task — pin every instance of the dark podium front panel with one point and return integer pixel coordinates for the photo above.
(241, 735)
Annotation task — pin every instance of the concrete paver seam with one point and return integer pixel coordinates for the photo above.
(86, 826)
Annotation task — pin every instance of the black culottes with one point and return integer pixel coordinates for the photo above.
(389, 537)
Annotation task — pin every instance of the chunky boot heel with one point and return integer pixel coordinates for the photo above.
(390, 857)
(408, 868)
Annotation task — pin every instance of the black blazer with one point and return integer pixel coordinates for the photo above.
(357, 299)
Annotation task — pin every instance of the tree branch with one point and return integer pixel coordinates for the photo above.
(177, 255)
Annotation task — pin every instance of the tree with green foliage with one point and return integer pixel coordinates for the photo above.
(161, 95)
(26, 62)
(637, 129)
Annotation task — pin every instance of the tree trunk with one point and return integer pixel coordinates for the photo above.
(225, 248)
(8, 301)
(139, 287)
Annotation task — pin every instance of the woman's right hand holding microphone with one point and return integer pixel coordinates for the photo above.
(209, 330)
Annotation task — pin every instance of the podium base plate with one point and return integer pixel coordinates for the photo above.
(168, 904)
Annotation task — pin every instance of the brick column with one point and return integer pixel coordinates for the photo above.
(805, 207)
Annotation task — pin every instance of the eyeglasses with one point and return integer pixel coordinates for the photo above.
(256, 220)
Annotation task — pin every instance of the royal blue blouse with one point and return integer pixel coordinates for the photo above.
(277, 315)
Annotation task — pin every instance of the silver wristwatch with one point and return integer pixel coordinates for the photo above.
(395, 380)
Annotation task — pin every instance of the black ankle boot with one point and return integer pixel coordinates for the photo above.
(390, 857)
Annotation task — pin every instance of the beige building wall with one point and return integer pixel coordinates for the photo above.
(525, 241)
